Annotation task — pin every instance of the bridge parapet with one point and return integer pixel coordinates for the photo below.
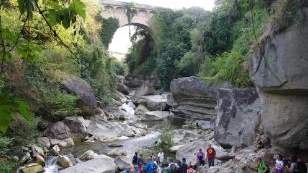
(118, 9)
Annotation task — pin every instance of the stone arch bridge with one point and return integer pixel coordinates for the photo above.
(118, 9)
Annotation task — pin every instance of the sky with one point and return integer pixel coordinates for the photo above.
(120, 41)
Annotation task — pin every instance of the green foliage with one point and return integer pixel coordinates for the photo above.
(10, 105)
(165, 139)
(243, 32)
(23, 132)
(20, 133)
(55, 104)
(109, 27)
(97, 69)
(7, 166)
(120, 68)
(169, 58)
(166, 70)
(227, 67)
(5, 145)
(218, 32)
(139, 59)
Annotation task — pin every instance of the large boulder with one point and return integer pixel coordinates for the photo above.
(237, 117)
(58, 130)
(88, 155)
(31, 168)
(64, 161)
(108, 131)
(279, 68)
(132, 81)
(193, 98)
(153, 102)
(77, 126)
(122, 88)
(191, 87)
(117, 152)
(119, 97)
(123, 162)
(43, 141)
(141, 110)
(101, 164)
(67, 142)
(156, 115)
(82, 89)
(143, 90)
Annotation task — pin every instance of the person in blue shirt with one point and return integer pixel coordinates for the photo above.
(150, 167)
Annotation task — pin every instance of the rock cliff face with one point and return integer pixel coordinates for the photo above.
(193, 98)
(279, 69)
(236, 112)
(237, 117)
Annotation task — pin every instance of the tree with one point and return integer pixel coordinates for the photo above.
(109, 27)
(20, 38)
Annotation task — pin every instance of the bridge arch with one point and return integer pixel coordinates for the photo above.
(118, 10)
(115, 9)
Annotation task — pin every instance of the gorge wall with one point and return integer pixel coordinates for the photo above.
(234, 113)
(279, 69)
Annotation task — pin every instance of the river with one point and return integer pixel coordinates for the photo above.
(130, 145)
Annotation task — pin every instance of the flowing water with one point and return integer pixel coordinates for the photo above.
(130, 145)
(51, 165)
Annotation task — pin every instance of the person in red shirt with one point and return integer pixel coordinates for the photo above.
(211, 154)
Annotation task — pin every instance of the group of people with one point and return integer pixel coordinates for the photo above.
(210, 155)
(282, 166)
(159, 165)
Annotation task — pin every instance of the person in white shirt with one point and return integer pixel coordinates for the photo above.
(160, 155)
(279, 164)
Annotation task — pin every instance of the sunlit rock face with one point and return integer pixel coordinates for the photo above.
(82, 89)
(279, 69)
(193, 98)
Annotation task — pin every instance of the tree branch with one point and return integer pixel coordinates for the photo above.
(54, 32)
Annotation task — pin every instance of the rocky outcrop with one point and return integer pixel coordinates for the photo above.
(31, 168)
(109, 131)
(153, 102)
(58, 130)
(102, 164)
(77, 126)
(117, 152)
(279, 68)
(155, 115)
(237, 117)
(132, 81)
(123, 162)
(64, 161)
(193, 97)
(44, 141)
(122, 88)
(82, 89)
(143, 90)
(88, 155)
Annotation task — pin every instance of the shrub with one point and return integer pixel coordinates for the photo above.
(165, 140)
(55, 104)
(23, 131)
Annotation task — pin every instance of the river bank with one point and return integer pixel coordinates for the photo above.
(225, 118)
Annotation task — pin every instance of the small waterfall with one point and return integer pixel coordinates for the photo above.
(129, 107)
(51, 165)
